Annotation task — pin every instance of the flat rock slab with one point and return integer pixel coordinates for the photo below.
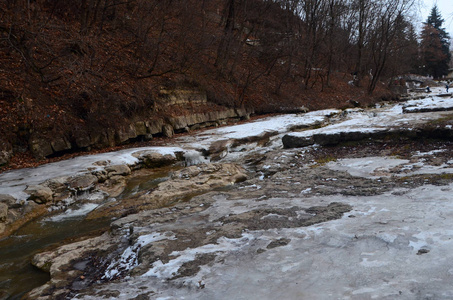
(384, 245)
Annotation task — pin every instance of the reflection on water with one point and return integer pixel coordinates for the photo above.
(17, 275)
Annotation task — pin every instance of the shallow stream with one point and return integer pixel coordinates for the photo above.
(17, 275)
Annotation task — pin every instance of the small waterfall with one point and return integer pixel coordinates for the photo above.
(194, 157)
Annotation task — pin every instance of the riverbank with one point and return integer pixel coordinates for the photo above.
(291, 197)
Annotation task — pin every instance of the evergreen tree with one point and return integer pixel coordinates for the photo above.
(435, 45)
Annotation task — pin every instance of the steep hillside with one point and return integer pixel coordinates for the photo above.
(77, 75)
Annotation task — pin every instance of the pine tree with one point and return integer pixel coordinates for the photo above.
(435, 45)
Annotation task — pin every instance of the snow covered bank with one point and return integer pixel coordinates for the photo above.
(362, 124)
(296, 226)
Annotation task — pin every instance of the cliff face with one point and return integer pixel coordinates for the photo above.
(91, 74)
(190, 109)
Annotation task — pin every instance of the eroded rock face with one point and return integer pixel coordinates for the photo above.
(290, 141)
(167, 130)
(48, 144)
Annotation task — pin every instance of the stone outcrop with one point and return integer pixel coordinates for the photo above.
(45, 145)
(40, 194)
(182, 185)
(3, 212)
(82, 183)
(195, 112)
(14, 214)
(58, 264)
(115, 170)
(9, 200)
(295, 140)
(106, 179)
(41, 147)
(183, 96)
(324, 139)
(152, 159)
(291, 141)
(168, 130)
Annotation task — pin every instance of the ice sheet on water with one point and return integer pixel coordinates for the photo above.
(14, 182)
(375, 167)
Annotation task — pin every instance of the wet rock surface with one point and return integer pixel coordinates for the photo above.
(182, 185)
(284, 208)
(357, 218)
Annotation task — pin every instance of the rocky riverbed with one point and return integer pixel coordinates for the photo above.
(326, 205)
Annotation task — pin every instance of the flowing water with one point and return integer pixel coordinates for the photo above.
(17, 275)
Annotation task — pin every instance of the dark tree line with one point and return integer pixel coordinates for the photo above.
(85, 65)
(435, 46)
(310, 40)
(86, 49)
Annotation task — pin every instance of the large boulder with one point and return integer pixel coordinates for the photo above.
(125, 133)
(140, 128)
(39, 193)
(59, 261)
(194, 180)
(40, 147)
(82, 183)
(292, 141)
(57, 184)
(152, 159)
(83, 141)
(60, 144)
(154, 126)
(122, 170)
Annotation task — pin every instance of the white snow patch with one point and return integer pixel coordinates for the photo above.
(432, 152)
(428, 103)
(366, 167)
